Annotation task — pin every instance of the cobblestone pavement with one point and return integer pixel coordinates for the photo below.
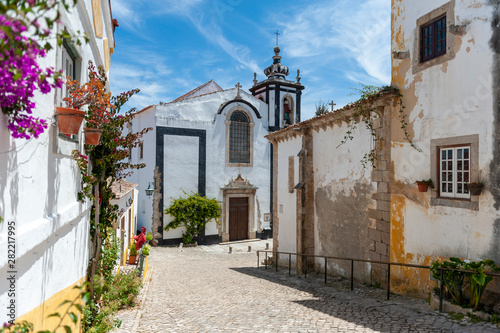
(205, 289)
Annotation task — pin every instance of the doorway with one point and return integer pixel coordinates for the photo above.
(238, 218)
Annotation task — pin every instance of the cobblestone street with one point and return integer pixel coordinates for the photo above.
(205, 289)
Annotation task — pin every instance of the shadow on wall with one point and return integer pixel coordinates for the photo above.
(52, 253)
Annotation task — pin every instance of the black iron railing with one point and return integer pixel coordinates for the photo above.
(352, 260)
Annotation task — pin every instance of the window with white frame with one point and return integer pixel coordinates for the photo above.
(454, 171)
(68, 66)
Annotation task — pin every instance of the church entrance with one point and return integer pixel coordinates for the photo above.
(238, 218)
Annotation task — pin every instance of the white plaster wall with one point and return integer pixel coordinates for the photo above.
(38, 189)
(287, 202)
(338, 169)
(144, 176)
(454, 99)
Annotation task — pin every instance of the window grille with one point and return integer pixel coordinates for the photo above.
(239, 138)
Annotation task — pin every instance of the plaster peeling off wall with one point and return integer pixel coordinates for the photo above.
(343, 195)
(445, 99)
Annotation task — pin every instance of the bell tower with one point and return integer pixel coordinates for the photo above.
(282, 96)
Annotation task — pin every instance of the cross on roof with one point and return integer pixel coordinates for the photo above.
(238, 86)
(332, 104)
(277, 34)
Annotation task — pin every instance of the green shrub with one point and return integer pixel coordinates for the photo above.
(97, 320)
(124, 289)
(193, 212)
(132, 248)
(145, 249)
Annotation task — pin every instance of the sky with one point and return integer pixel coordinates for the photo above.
(169, 47)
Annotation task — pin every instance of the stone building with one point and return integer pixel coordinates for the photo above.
(211, 141)
(39, 182)
(445, 65)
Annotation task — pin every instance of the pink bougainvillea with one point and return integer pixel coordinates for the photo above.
(20, 73)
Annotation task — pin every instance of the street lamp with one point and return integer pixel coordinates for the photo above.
(151, 188)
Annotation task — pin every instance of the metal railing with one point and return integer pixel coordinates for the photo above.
(352, 260)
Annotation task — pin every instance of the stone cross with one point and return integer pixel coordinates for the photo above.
(238, 86)
(332, 104)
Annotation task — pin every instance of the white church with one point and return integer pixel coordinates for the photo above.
(211, 141)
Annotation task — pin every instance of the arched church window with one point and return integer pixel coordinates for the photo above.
(239, 138)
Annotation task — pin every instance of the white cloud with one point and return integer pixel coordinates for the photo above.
(124, 12)
(337, 29)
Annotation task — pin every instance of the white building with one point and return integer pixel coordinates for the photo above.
(39, 181)
(211, 141)
(445, 63)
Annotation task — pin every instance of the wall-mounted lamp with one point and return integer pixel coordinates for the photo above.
(151, 188)
(129, 202)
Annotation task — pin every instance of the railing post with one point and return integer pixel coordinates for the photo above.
(352, 275)
(441, 287)
(305, 270)
(289, 263)
(388, 280)
(276, 263)
(265, 260)
(326, 263)
(258, 259)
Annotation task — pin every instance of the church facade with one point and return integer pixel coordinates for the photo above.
(212, 142)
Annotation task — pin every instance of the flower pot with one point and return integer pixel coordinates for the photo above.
(69, 120)
(422, 187)
(92, 135)
(131, 260)
(475, 189)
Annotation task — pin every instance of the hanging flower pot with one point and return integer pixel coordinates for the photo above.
(475, 188)
(423, 185)
(69, 120)
(92, 135)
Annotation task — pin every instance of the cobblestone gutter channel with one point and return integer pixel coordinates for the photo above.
(205, 289)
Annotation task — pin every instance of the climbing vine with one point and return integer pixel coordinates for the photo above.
(365, 112)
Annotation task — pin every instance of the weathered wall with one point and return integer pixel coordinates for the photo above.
(287, 202)
(343, 195)
(39, 181)
(450, 99)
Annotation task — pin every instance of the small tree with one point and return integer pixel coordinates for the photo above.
(321, 108)
(193, 212)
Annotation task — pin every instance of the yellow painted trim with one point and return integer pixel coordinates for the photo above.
(146, 266)
(39, 315)
(97, 15)
(107, 61)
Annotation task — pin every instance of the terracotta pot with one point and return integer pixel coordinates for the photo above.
(69, 120)
(475, 189)
(131, 260)
(422, 187)
(92, 135)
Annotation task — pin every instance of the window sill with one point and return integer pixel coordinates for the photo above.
(455, 203)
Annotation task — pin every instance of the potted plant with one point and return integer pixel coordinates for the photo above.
(145, 249)
(424, 184)
(70, 118)
(133, 253)
(99, 105)
(475, 188)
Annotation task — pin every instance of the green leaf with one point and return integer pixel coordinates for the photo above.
(55, 315)
(64, 302)
(73, 317)
(86, 298)
(67, 328)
